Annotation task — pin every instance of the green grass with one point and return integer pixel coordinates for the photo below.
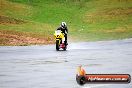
(88, 20)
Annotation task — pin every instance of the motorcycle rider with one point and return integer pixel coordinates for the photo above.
(64, 29)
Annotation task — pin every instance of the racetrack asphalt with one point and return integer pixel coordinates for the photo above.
(43, 67)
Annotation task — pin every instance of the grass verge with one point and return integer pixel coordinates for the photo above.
(88, 20)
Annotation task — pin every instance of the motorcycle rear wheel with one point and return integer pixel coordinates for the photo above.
(65, 48)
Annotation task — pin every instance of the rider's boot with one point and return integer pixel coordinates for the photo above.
(66, 43)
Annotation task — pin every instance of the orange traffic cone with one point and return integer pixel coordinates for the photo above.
(81, 71)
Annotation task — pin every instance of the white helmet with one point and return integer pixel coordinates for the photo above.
(63, 24)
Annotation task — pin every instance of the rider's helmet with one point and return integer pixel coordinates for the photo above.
(63, 24)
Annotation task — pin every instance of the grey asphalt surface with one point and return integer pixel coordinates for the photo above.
(44, 67)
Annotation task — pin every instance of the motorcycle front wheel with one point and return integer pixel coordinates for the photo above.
(57, 45)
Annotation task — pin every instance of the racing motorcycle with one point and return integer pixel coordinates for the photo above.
(60, 40)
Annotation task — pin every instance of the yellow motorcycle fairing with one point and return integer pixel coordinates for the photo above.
(58, 35)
